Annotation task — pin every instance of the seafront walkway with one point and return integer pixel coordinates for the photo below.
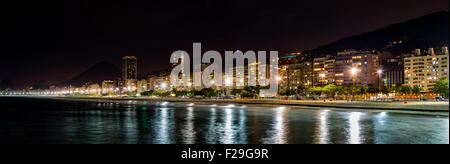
(426, 106)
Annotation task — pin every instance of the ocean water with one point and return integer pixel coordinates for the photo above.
(71, 121)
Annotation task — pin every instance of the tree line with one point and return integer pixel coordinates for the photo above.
(329, 91)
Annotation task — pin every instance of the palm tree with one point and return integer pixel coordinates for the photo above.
(386, 90)
(442, 87)
(416, 90)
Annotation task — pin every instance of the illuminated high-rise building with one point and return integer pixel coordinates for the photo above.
(392, 69)
(365, 64)
(294, 75)
(324, 70)
(425, 71)
(129, 68)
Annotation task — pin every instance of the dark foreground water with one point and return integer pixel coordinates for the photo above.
(102, 121)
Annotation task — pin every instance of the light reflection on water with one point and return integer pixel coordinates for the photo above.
(212, 130)
(228, 131)
(354, 131)
(163, 126)
(323, 127)
(446, 130)
(242, 131)
(278, 133)
(188, 131)
(189, 123)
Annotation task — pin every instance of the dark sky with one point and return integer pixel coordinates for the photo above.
(52, 41)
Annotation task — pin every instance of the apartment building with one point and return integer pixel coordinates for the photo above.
(425, 70)
(323, 68)
(354, 66)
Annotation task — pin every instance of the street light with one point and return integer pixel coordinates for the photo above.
(354, 71)
(163, 85)
(213, 84)
(279, 78)
(322, 76)
(228, 84)
(380, 73)
(228, 81)
(380, 81)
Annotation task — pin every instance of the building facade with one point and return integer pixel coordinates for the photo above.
(162, 82)
(424, 71)
(129, 71)
(353, 66)
(108, 87)
(151, 81)
(294, 75)
(324, 70)
(392, 69)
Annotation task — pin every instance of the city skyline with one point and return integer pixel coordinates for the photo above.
(371, 69)
(209, 73)
(57, 65)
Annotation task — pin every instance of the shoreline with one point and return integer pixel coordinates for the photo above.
(415, 106)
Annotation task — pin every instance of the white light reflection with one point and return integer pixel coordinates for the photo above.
(323, 127)
(279, 130)
(381, 118)
(163, 135)
(129, 125)
(231, 106)
(355, 131)
(188, 132)
(228, 128)
(242, 127)
(165, 103)
(210, 136)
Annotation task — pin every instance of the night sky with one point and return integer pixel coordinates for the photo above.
(53, 41)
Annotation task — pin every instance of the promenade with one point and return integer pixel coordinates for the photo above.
(425, 106)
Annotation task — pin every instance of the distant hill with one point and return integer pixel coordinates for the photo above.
(157, 73)
(428, 31)
(6, 83)
(96, 74)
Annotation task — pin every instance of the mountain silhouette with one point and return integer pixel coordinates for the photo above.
(424, 32)
(6, 83)
(96, 74)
